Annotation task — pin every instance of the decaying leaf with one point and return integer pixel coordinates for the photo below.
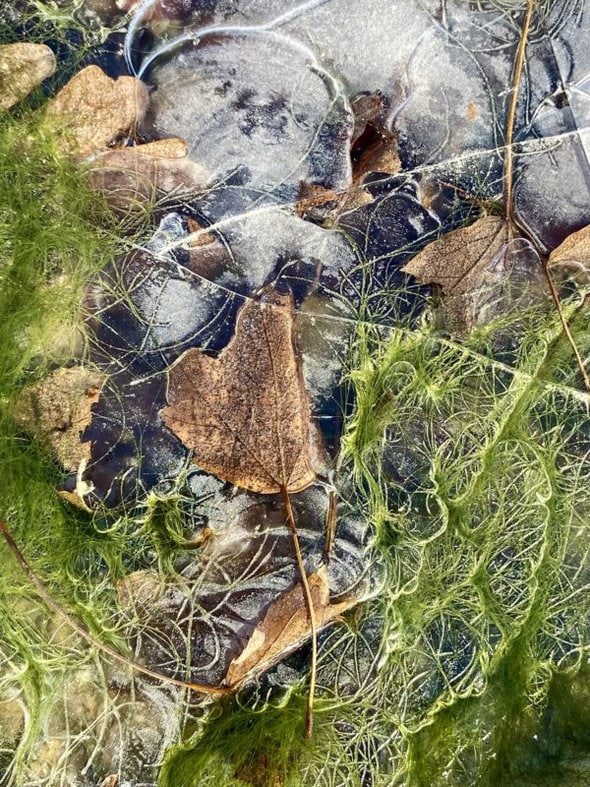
(57, 409)
(570, 261)
(92, 110)
(23, 66)
(481, 272)
(456, 261)
(373, 148)
(245, 415)
(284, 627)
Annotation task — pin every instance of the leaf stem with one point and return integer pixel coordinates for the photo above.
(310, 611)
(510, 122)
(86, 635)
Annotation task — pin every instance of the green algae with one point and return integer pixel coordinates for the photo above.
(484, 540)
(54, 234)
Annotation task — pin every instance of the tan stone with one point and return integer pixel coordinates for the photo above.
(57, 409)
(23, 67)
(92, 110)
(133, 177)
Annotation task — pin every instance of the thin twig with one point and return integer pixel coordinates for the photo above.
(566, 327)
(79, 629)
(510, 122)
(310, 612)
(330, 526)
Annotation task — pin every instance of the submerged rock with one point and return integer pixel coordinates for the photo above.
(23, 66)
(57, 409)
(136, 178)
(92, 110)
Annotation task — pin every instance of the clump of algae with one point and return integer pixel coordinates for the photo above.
(472, 460)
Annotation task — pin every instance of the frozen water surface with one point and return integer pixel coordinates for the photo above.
(265, 95)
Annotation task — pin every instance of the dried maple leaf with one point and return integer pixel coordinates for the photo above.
(284, 627)
(482, 272)
(245, 415)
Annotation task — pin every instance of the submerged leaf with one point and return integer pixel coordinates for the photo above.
(571, 259)
(457, 260)
(285, 626)
(481, 271)
(245, 415)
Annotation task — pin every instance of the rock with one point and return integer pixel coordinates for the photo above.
(92, 110)
(57, 409)
(132, 178)
(12, 717)
(22, 68)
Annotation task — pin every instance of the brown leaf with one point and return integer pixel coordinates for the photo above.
(92, 110)
(23, 66)
(482, 273)
(457, 260)
(284, 627)
(571, 260)
(373, 148)
(246, 414)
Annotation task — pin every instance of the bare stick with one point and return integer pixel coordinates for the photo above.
(310, 612)
(510, 122)
(79, 629)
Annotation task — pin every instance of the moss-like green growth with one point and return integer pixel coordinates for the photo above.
(240, 746)
(54, 234)
(473, 461)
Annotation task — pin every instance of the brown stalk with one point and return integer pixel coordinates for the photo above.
(331, 520)
(510, 122)
(310, 611)
(509, 176)
(86, 635)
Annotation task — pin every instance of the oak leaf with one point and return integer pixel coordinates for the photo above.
(245, 415)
